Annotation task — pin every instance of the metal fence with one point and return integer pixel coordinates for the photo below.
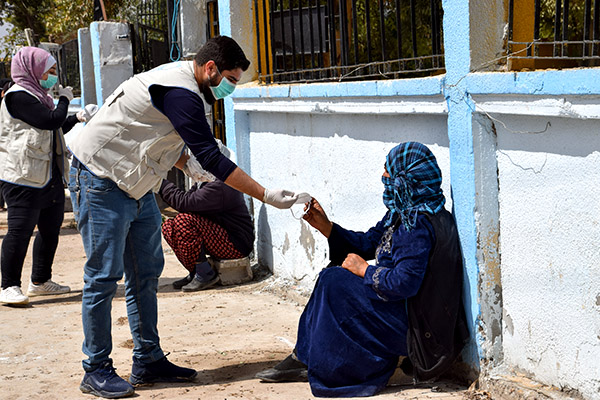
(68, 66)
(150, 36)
(320, 40)
(562, 30)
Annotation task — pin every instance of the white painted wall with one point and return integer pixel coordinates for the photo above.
(549, 243)
(338, 159)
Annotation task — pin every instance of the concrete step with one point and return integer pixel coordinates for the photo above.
(232, 272)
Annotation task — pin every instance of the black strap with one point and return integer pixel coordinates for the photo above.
(77, 164)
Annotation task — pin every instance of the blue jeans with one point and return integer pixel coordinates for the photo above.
(120, 235)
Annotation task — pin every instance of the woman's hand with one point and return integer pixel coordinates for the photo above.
(317, 218)
(355, 264)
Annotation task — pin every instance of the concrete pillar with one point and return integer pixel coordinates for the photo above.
(192, 27)
(86, 67)
(236, 20)
(488, 20)
(112, 55)
(457, 51)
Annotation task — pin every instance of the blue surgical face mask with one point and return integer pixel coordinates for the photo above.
(224, 89)
(51, 81)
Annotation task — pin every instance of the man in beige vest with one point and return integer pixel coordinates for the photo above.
(120, 158)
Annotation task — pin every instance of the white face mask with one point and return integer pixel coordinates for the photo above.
(302, 199)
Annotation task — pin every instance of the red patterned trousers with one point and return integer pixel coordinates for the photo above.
(192, 236)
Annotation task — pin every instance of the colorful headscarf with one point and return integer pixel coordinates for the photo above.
(414, 184)
(27, 68)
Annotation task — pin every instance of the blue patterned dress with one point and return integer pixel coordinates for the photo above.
(353, 329)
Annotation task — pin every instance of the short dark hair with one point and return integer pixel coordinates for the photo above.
(225, 52)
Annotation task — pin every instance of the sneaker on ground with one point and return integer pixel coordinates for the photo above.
(46, 288)
(104, 382)
(159, 371)
(13, 295)
(199, 284)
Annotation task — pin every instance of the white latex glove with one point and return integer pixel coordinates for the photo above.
(87, 113)
(280, 198)
(194, 170)
(66, 92)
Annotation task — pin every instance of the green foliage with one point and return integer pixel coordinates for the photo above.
(55, 20)
(21, 15)
(372, 30)
(390, 31)
(576, 19)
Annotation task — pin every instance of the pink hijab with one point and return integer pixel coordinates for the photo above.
(27, 68)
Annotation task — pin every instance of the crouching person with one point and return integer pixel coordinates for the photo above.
(213, 219)
(360, 317)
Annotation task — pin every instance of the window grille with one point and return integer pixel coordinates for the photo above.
(150, 35)
(68, 65)
(325, 40)
(553, 33)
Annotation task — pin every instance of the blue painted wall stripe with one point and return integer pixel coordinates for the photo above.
(95, 40)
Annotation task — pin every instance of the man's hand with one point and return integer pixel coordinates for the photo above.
(182, 160)
(317, 218)
(355, 264)
(279, 198)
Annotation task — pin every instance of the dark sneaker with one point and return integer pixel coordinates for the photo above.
(289, 370)
(200, 284)
(104, 382)
(183, 281)
(159, 371)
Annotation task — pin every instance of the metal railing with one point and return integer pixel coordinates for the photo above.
(567, 30)
(150, 35)
(68, 65)
(324, 40)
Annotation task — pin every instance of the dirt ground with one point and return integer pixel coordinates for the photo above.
(227, 333)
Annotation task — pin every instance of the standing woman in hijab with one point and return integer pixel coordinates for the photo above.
(32, 168)
(362, 316)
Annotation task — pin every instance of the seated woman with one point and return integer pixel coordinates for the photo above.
(360, 317)
(213, 219)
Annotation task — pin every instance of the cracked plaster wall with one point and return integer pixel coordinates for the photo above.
(338, 159)
(549, 234)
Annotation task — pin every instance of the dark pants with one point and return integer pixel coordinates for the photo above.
(28, 207)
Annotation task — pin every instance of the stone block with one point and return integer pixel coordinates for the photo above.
(232, 272)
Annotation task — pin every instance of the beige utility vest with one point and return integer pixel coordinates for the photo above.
(26, 152)
(131, 142)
